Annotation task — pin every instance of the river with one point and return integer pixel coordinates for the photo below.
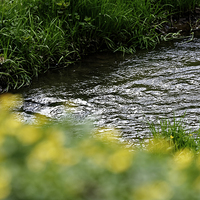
(124, 92)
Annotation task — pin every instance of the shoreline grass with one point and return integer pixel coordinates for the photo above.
(176, 134)
(39, 35)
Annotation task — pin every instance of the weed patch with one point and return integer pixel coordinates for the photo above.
(176, 134)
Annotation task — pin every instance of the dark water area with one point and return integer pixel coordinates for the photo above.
(123, 92)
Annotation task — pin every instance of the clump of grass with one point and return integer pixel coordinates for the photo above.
(176, 134)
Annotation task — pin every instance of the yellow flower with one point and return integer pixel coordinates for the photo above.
(171, 136)
(120, 161)
(50, 149)
(29, 134)
(4, 183)
(46, 151)
(9, 125)
(158, 190)
(56, 136)
(68, 157)
(182, 159)
(9, 101)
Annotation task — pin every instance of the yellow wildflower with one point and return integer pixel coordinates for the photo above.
(4, 183)
(158, 190)
(9, 101)
(68, 157)
(10, 125)
(182, 159)
(49, 150)
(46, 151)
(56, 136)
(171, 136)
(120, 161)
(29, 135)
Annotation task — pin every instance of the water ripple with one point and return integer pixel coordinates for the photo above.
(124, 92)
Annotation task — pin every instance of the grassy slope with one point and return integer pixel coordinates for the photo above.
(38, 35)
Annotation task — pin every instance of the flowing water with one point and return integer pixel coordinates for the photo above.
(124, 92)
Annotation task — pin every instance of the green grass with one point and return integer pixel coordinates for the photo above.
(38, 35)
(176, 134)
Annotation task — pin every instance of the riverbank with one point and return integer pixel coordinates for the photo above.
(48, 34)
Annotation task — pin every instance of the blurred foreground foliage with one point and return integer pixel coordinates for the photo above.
(69, 161)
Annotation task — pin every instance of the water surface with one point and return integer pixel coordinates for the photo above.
(124, 92)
